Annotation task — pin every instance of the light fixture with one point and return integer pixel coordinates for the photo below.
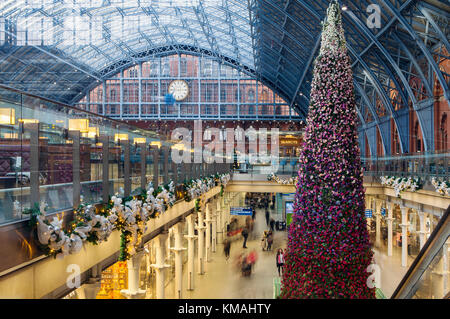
(7, 116)
(81, 125)
(25, 121)
(156, 143)
(120, 137)
(140, 140)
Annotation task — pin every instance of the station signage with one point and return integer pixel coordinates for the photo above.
(241, 211)
(369, 213)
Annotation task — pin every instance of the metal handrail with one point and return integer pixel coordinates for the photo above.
(409, 284)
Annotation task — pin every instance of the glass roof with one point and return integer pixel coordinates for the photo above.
(58, 48)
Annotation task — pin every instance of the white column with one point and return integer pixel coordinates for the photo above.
(191, 251)
(90, 289)
(178, 250)
(219, 221)
(201, 243)
(208, 222)
(214, 227)
(378, 223)
(133, 265)
(390, 208)
(422, 231)
(160, 266)
(404, 226)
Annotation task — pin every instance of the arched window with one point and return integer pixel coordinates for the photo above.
(251, 110)
(417, 138)
(112, 94)
(237, 95)
(278, 110)
(223, 95)
(251, 95)
(443, 132)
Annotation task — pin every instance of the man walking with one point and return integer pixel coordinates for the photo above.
(267, 217)
(245, 235)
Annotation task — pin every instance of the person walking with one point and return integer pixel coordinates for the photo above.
(280, 261)
(245, 235)
(269, 240)
(267, 217)
(226, 248)
(272, 224)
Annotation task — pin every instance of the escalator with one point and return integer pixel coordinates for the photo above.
(429, 275)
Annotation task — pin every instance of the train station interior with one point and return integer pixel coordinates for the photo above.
(224, 149)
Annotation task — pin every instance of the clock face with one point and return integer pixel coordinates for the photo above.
(179, 89)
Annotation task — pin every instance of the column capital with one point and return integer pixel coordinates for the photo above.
(160, 266)
(390, 219)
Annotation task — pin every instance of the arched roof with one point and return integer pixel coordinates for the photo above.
(275, 40)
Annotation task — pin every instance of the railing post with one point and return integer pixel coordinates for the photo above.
(105, 161)
(143, 147)
(76, 181)
(33, 128)
(126, 164)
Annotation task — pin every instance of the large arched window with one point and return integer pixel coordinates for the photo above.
(145, 87)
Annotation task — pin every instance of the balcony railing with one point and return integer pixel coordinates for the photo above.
(62, 156)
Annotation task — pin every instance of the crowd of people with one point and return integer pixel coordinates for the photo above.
(246, 260)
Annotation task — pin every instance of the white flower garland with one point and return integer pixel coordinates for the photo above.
(288, 181)
(442, 187)
(131, 216)
(401, 184)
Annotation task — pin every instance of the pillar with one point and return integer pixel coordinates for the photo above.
(201, 243)
(390, 208)
(378, 223)
(160, 266)
(208, 222)
(219, 222)
(404, 226)
(133, 265)
(178, 250)
(191, 251)
(422, 231)
(90, 289)
(214, 227)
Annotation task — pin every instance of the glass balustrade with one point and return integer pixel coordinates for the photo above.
(51, 152)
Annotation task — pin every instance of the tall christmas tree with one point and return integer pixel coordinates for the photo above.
(328, 247)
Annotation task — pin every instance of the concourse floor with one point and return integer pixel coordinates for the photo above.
(223, 281)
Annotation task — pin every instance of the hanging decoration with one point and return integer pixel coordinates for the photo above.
(94, 224)
(442, 187)
(284, 181)
(197, 187)
(401, 184)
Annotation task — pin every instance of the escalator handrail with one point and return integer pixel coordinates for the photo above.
(410, 280)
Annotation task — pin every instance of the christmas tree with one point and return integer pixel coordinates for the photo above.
(328, 246)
